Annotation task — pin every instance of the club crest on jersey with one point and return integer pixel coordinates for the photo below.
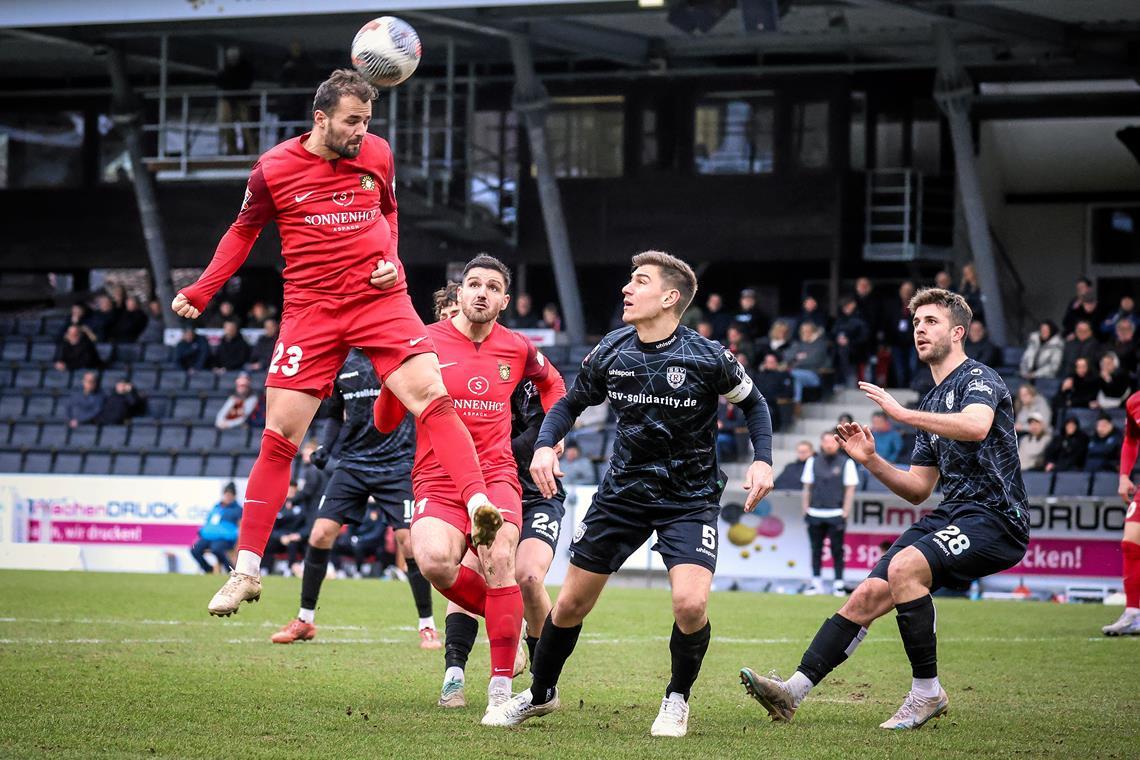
(367, 182)
(344, 197)
(504, 371)
(579, 532)
(675, 376)
(950, 399)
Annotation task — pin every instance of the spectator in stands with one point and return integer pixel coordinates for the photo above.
(118, 295)
(778, 340)
(577, 470)
(126, 402)
(789, 477)
(845, 419)
(232, 352)
(810, 312)
(852, 337)
(262, 352)
(361, 542)
(943, 280)
(80, 317)
(888, 441)
(728, 418)
(749, 315)
(717, 316)
(258, 313)
(829, 480)
(1114, 384)
(1086, 308)
(131, 323)
(869, 307)
(1104, 446)
(969, 289)
(217, 317)
(311, 480)
(1044, 353)
(219, 533)
(243, 407)
(693, 316)
(289, 535)
(1082, 286)
(76, 351)
(738, 342)
(1079, 389)
(102, 319)
(704, 329)
(809, 358)
(155, 329)
(1126, 312)
(898, 334)
(84, 405)
(777, 387)
(980, 348)
(297, 72)
(1083, 345)
(524, 318)
(1067, 452)
(1029, 402)
(192, 351)
(236, 75)
(1124, 345)
(1034, 442)
(550, 318)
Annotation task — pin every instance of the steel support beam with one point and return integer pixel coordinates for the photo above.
(530, 102)
(954, 93)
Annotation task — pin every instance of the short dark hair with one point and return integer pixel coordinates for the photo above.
(340, 83)
(1085, 280)
(676, 273)
(487, 261)
(960, 311)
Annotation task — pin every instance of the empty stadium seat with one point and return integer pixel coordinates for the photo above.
(172, 380)
(52, 327)
(202, 438)
(15, 350)
(24, 434)
(158, 465)
(219, 466)
(1086, 418)
(28, 326)
(244, 464)
(234, 439)
(41, 351)
(1071, 484)
(1104, 484)
(6, 374)
(54, 434)
(11, 404)
(97, 463)
(158, 407)
(188, 466)
(54, 378)
(28, 377)
(68, 463)
(171, 436)
(113, 436)
(83, 437)
(202, 381)
(558, 355)
(38, 462)
(106, 352)
(11, 461)
(592, 443)
(1047, 386)
(127, 353)
(1011, 356)
(142, 436)
(1037, 483)
(157, 353)
(42, 405)
(126, 464)
(186, 409)
(145, 379)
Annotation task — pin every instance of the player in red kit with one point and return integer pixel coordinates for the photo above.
(482, 362)
(1129, 622)
(331, 193)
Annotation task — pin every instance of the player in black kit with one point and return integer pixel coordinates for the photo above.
(966, 439)
(371, 464)
(663, 382)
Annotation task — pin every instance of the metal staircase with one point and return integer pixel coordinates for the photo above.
(908, 216)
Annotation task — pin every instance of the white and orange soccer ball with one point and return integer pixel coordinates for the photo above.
(386, 51)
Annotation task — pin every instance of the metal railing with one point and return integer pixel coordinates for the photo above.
(907, 216)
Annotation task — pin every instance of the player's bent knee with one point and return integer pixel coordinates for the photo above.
(870, 600)
(909, 565)
(690, 612)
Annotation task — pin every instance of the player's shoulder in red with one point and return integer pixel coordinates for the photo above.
(376, 148)
(1133, 406)
(505, 336)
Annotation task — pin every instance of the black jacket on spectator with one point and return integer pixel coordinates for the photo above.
(753, 322)
(81, 355)
(1082, 393)
(1079, 349)
(103, 323)
(775, 385)
(1103, 453)
(871, 310)
(858, 334)
(192, 355)
(1076, 313)
(1067, 453)
(129, 326)
(984, 351)
(1126, 352)
(119, 407)
(262, 351)
(789, 478)
(231, 353)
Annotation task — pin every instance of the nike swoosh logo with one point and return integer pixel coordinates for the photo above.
(299, 198)
(449, 364)
(417, 341)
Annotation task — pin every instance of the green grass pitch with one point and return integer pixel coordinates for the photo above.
(107, 665)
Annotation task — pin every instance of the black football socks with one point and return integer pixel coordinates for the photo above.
(835, 641)
(555, 646)
(421, 589)
(917, 621)
(316, 565)
(687, 651)
(460, 631)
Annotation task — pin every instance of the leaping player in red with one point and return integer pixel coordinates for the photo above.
(1129, 622)
(331, 193)
(483, 362)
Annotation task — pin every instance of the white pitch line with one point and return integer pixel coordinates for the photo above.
(215, 623)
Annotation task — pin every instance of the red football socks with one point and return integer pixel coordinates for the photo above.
(469, 591)
(1131, 553)
(453, 447)
(504, 623)
(265, 492)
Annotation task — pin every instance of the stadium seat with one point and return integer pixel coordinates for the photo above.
(41, 405)
(158, 465)
(28, 377)
(1086, 418)
(1119, 417)
(1037, 483)
(158, 407)
(11, 461)
(41, 351)
(28, 326)
(128, 353)
(172, 380)
(68, 463)
(106, 352)
(83, 437)
(256, 379)
(97, 463)
(54, 378)
(592, 443)
(24, 434)
(219, 466)
(52, 327)
(202, 381)
(6, 374)
(188, 466)
(145, 379)
(202, 438)
(54, 434)
(1071, 484)
(126, 464)
(558, 355)
(576, 354)
(38, 462)
(171, 436)
(5, 432)
(113, 436)
(11, 405)
(1104, 484)
(1047, 386)
(156, 353)
(1011, 356)
(244, 464)
(186, 409)
(15, 350)
(142, 436)
(234, 439)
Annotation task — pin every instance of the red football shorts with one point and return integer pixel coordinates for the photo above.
(317, 333)
(1133, 513)
(445, 504)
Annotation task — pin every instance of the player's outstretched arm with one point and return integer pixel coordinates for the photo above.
(182, 307)
(915, 485)
(971, 424)
(545, 470)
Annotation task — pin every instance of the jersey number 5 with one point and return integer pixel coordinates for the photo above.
(290, 367)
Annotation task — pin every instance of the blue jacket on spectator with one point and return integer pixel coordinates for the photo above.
(888, 445)
(222, 522)
(193, 353)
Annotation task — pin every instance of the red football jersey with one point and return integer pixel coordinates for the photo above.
(480, 378)
(337, 219)
(1131, 444)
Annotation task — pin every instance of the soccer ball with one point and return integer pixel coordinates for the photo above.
(386, 51)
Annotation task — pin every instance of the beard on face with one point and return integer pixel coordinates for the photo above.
(477, 317)
(936, 352)
(339, 144)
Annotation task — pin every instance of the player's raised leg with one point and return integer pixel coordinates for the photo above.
(287, 417)
(687, 645)
(303, 627)
(834, 642)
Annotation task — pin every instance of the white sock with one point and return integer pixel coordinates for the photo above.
(1132, 610)
(499, 684)
(476, 501)
(454, 673)
(426, 623)
(799, 685)
(676, 695)
(927, 688)
(307, 616)
(248, 563)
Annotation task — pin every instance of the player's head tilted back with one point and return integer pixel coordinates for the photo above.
(483, 289)
(446, 301)
(660, 287)
(940, 319)
(342, 109)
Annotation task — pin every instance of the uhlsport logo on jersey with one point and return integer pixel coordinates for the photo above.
(675, 376)
(367, 182)
(344, 197)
